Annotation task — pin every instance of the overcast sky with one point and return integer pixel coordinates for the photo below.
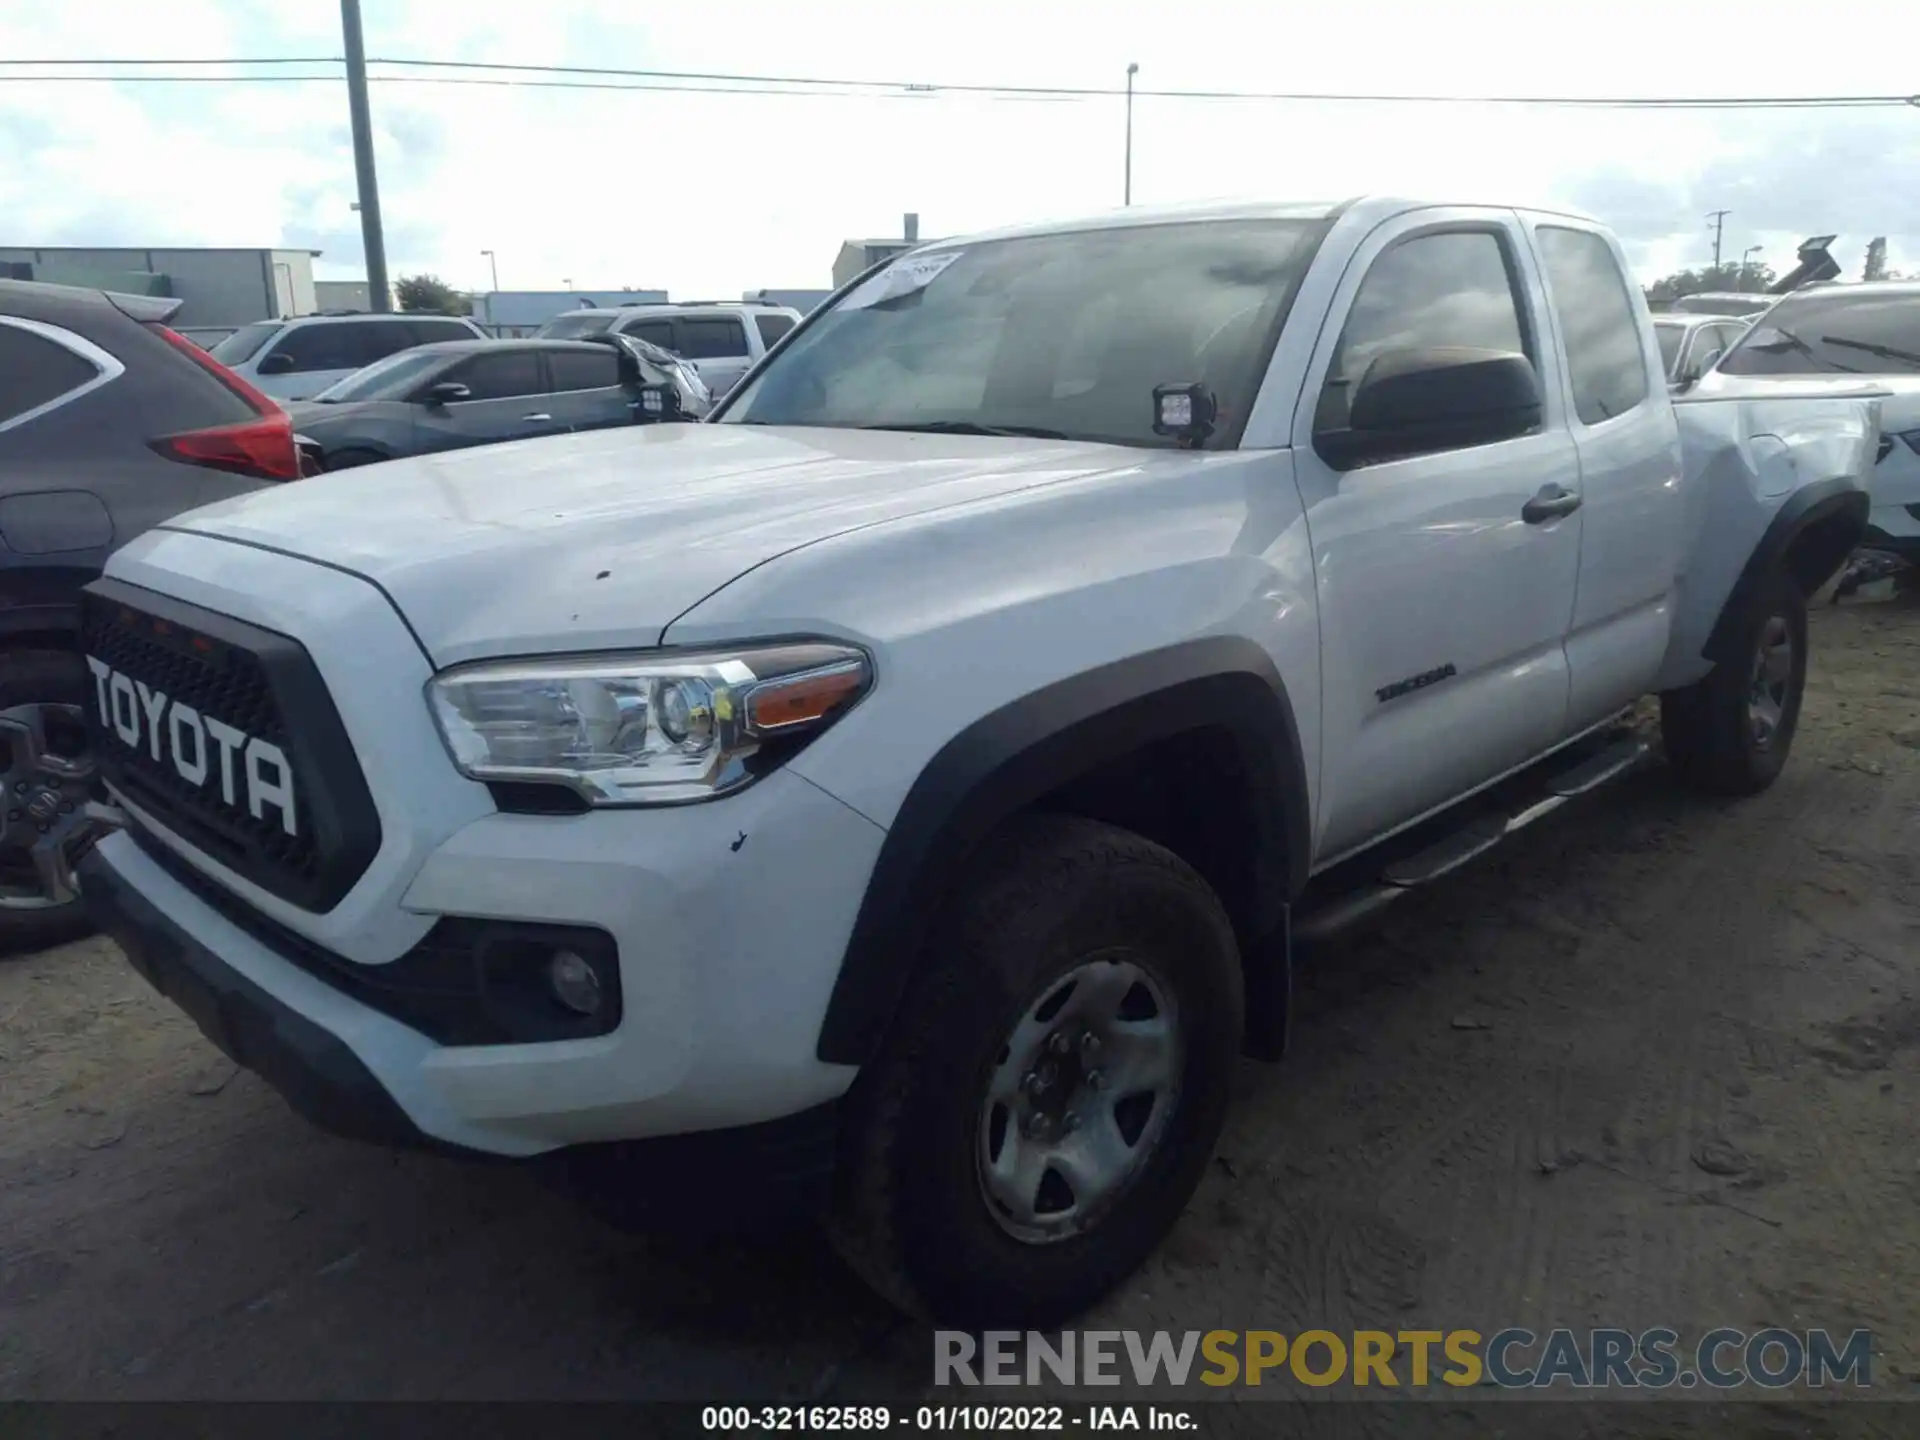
(709, 195)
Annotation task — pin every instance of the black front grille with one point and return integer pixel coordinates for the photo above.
(219, 797)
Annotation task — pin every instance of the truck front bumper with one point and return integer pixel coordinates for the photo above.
(729, 920)
(711, 1177)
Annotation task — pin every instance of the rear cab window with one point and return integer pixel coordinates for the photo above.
(1832, 333)
(1671, 337)
(1605, 359)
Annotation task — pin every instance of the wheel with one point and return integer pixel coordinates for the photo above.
(48, 777)
(1729, 732)
(1046, 1101)
(349, 459)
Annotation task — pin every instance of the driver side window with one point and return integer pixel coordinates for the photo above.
(1452, 288)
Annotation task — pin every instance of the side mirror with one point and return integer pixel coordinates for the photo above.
(447, 392)
(1433, 398)
(279, 363)
(656, 403)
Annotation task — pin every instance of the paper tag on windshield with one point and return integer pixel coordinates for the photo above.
(903, 277)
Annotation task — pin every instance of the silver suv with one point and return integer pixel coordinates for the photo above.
(297, 358)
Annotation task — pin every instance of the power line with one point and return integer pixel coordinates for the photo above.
(724, 83)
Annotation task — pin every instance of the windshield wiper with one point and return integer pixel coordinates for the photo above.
(969, 427)
(1790, 341)
(1883, 352)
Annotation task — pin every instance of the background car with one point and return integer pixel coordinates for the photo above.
(110, 423)
(296, 358)
(724, 340)
(461, 393)
(1849, 332)
(1690, 344)
(207, 336)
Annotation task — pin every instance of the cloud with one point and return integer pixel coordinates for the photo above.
(715, 194)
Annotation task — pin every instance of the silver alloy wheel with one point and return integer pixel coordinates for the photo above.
(1080, 1098)
(1772, 675)
(46, 788)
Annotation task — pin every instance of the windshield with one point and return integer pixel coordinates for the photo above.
(1670, 338)
(243, 344)
(387, 379)
(1064, 335)
(569, 327)
(1832, 333)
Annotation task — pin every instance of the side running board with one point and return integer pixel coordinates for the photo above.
(1317, 920)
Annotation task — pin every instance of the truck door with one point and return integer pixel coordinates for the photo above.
(1630, 467)
(1445, 594)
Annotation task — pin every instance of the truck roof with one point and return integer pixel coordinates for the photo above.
(1368, 207)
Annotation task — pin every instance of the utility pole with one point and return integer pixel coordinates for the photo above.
(1132, 70)
(1719, 219)
(371, 238)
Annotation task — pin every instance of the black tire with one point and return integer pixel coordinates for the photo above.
(41, 677)
(1712, 740)
(350, 459)
(910, 1213)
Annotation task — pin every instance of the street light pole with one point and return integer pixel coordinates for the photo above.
(493, 267)
(361, 114)
(1132, 70)
(1745, 256)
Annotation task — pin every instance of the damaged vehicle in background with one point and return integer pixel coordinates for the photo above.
(481, 392)
(898, 794)
(1839, 335)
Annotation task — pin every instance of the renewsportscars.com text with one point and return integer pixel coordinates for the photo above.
(1514, 1359)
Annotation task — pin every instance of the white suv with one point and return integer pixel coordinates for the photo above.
(723, 341)
(295, 359)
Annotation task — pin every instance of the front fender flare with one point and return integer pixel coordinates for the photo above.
(1004, 762)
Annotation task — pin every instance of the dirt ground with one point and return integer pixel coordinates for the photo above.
(1655, 1064)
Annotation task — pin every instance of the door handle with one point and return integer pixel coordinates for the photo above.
(1553, 502)
(535, 419)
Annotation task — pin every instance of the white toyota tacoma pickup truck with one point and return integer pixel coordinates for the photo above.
(900, 790)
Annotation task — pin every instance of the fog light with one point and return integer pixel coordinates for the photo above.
(574, 983)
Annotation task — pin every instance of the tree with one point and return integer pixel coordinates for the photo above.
(431, 295)
(1727, 276)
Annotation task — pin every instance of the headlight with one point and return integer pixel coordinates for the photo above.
(644, 729)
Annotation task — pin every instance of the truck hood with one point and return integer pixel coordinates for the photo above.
(600, 540)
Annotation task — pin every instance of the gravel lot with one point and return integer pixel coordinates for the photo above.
(1654, 1064)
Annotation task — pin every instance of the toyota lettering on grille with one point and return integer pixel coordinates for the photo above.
(200, 747)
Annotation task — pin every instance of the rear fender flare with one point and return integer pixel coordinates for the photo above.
(1830, 516)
